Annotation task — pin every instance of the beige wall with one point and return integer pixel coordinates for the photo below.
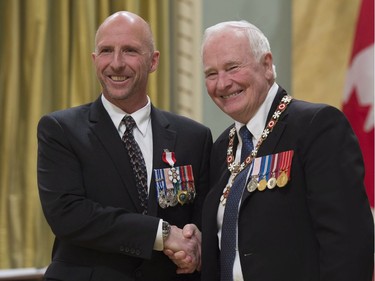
(322, 38)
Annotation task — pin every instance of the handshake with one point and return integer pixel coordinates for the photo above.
(183, 247)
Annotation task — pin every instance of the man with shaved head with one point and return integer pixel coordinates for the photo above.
(122, 183)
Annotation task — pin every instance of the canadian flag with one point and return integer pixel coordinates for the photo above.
(358, 104)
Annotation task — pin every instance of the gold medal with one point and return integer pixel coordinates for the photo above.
(182, 197)
(282, 180)
(271, 183)
(262, 184)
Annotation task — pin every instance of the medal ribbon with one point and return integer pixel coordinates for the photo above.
(278, 168)
(168, 182)
(160, 181)
(263, 167)
(186, 174)
(267, 169)
(274, 164)
(256, 169)
(285, 160)
(282, 163)
(169, 157)
(289, 155)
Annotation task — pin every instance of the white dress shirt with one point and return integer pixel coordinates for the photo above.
(143, 136)
(142, 132)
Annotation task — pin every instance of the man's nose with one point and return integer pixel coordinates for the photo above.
(223, 81)
(118, 60)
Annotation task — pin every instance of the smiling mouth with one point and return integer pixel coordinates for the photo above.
(231, 95)
(118, 78)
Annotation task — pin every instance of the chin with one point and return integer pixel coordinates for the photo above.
(118, 95)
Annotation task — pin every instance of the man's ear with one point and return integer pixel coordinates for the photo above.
(267, 62)
(154, 61)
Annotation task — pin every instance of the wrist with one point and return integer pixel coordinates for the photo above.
(166, 230)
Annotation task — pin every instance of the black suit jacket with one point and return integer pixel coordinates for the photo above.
(319, 226)
(88, 194)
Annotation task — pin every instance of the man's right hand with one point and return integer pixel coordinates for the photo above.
(183, 247)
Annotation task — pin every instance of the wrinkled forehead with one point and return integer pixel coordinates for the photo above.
(229, 40)
(225, 33)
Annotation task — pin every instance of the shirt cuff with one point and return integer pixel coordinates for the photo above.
(159, 242)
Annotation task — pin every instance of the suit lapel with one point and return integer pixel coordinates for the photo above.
(102, 126)
(219, 176)
(268, 146)
(163, 138)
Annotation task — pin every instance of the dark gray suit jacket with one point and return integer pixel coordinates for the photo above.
(89, 198)
(319, 226)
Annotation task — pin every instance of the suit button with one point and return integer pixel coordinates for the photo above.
(137, 252)
(122, 248)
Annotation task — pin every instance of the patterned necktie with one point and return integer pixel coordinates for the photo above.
(230, 218)
(247, 142)
(136, 160)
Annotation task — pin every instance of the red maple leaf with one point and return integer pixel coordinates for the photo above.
(357, 115)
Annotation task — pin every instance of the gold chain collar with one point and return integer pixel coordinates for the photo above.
(236, 168)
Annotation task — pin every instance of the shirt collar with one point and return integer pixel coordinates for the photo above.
(257, 124)
(141, 116)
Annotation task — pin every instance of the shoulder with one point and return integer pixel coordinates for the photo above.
(69, 112)
(224, 135)
(302, 108)
(177, 122)
(222, 140)
(67, 116)
(303, 111)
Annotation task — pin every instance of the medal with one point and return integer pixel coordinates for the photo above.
(282, 180)
(174, 175)
(160, 187)
(182, 197)
(175, 184)
(162, 202)
(262, 184)
(264, 170)
(253, 184)
(187, 184)
(191, 195)
(171, 198)
(271, 183)
(286, 161)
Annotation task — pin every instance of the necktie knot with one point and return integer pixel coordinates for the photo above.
(247, 142)
(129, 122)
